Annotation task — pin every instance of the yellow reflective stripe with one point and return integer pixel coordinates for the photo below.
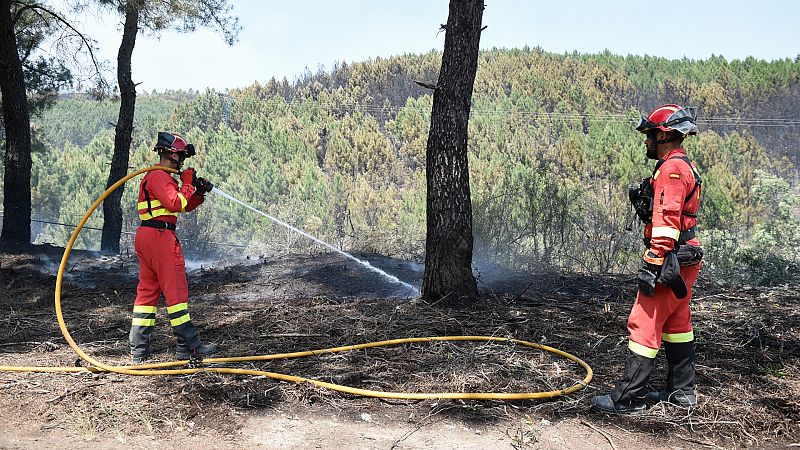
(156, 213)
(144, 309)
(182, 319)
(164, 212)
(177, 307)
(677, 338)
(640, 349)
(184, 202)
(143, 322)
(669, 232)
(655, 175)
(144, 205)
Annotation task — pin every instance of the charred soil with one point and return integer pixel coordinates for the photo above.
(748, 360)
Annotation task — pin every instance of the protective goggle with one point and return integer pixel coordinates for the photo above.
(682, 121)
(189, 152)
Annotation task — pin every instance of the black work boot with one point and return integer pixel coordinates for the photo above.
(140, 343)
(189, 345)
(628, 395)
(144, 318)
(604, 404)
(680, 376)
(199, 352)
(676, 397)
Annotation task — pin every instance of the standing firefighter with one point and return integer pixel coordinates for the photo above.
(667, 203)
(161, 264)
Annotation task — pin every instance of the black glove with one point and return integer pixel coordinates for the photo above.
(649, 270)
(671, 275)
(195, 179)
(203, 185)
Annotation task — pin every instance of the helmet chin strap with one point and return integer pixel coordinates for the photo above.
(673, 137)
(171, 157)
(652, 149)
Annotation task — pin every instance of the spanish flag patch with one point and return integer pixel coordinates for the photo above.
(675, 175)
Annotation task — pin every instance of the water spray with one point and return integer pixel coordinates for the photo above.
(366, 264)
(161, 368)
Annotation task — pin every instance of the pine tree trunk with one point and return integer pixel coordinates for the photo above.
(17, 158)
(448, 256)
(112, 211)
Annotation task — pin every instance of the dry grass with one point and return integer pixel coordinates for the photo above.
(748, 353)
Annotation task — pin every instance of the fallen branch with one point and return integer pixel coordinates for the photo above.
(704, 444)
(75, 391)
(605, 435)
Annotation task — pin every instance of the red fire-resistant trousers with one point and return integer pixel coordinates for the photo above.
(162, 268)
(662, 316)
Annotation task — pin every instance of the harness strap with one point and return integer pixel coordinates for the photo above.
(687, 235)
(147, 197)
(697, 180)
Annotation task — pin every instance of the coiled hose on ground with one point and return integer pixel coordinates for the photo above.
(161, 368)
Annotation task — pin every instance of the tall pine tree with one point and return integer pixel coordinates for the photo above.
(448, 244)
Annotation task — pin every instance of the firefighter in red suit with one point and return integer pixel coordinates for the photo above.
(667, 202)
(161, 265)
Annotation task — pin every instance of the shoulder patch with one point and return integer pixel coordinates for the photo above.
(675, 175)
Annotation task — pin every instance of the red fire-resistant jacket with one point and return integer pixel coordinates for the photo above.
(672, 212)
(159, 197)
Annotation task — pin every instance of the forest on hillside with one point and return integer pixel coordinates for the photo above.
(340, 153)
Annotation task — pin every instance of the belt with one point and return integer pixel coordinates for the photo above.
(159, 224)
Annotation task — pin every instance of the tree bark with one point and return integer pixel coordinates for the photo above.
(17, 158)
(112, 211)
(448, 256)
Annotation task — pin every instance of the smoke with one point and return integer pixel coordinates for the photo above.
(498, 279)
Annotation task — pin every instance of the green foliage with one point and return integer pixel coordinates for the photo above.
(771, 255)
(767, 253)
(44, 74)
(551, 146)
(77, 120)
(182, 15)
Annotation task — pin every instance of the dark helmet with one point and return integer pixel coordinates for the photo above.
(670, 118)
(173, 143)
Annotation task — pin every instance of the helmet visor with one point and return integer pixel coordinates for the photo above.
(682, 121)
(645, 125)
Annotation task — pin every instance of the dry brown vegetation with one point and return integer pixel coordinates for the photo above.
(748, 351)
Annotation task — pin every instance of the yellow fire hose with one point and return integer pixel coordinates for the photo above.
(159, 368)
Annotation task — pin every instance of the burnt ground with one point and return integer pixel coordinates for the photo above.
(748, 360)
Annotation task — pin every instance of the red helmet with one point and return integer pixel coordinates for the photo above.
(173, 143)
(670, 118)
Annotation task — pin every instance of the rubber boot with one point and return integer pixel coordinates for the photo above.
(139, 338)
(142, 322)
(680, 376)
(628, 395)
(189, 345)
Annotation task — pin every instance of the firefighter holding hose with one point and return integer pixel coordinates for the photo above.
(667, 202)
(162, 268)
